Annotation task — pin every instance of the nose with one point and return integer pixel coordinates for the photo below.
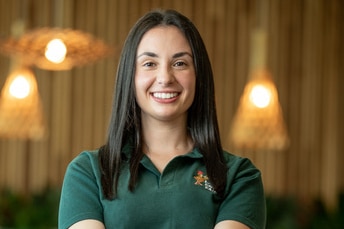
(165, 76)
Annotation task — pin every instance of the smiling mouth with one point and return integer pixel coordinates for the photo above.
(161, 95)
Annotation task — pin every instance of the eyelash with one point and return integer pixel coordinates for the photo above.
(148, 64)
(179, 64)
(176, 64)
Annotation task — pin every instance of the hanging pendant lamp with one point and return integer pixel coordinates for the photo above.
(56, 48)
(258, 123)
(21, 113)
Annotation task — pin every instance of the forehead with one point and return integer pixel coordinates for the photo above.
(164, 38)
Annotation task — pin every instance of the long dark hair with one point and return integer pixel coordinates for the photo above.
(125, 121)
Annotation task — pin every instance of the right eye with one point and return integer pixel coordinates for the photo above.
(148, 64)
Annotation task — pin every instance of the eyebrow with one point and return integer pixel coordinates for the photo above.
(152, 54)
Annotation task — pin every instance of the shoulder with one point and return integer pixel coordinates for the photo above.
(84, 163)
(241, 170)
(85, 158)
(237, 163)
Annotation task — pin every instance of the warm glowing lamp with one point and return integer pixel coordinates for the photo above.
(20, 87)
(56, 48)
(258, 123)
(21, 114)
(56, 51)
(260, 96)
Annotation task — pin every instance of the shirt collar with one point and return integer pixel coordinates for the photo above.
(128, 147)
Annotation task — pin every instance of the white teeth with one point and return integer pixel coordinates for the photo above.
(164, 95)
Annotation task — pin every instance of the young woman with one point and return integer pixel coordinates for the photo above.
(163, 165)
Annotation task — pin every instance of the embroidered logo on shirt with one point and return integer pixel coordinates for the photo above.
(202, 180)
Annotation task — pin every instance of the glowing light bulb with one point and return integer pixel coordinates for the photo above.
(56, 51)
(260, 96)
(20, 87)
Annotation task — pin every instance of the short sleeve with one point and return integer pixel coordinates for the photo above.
(80, 196)
(245, 199)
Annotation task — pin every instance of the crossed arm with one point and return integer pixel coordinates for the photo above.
(95, 224)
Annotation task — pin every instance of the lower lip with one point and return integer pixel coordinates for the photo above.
(160, 100)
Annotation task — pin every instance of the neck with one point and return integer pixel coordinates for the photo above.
(164, 138)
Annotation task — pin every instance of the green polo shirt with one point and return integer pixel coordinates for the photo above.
(179, 197)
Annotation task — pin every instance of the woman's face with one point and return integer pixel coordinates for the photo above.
(165, 75)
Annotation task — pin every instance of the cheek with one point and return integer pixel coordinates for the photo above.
(142, 83)
(189, 83)
(192, 93)
(139, 91)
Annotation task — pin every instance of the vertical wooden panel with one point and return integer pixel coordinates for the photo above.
(330, 162)
(293, 108)
(111, 64)
(87, 76)
(309, 99)
(99, 122)
(78, 81)
(230, 97)
(339, 18)
(218, 41)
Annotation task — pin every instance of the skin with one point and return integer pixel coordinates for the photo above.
(164, 67)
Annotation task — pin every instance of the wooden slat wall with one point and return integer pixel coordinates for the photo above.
(305, 56)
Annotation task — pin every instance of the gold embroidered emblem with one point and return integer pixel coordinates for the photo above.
(202, 180)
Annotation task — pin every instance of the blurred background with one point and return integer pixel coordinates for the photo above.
(303, 53)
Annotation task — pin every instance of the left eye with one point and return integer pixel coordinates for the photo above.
(179, 64)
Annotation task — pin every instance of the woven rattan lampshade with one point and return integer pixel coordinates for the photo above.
(258, 123)
(259, 126)
(21, 114)
(82, 48)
